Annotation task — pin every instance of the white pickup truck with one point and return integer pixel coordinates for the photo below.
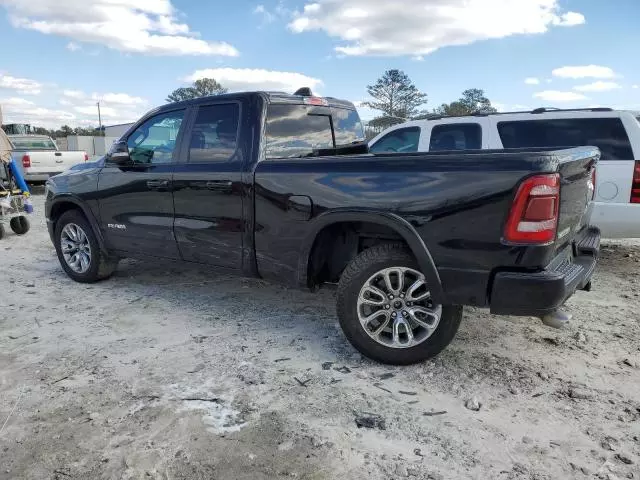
(39, 157)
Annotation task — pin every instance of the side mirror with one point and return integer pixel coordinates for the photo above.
(119, 154)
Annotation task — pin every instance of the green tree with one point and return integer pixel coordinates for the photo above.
(200, 88)
(472, 101)
(395, 95)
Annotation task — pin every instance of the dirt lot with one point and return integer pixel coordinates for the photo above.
(166, 373)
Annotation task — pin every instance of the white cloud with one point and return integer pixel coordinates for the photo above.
(515, 107)
(135, 26)
(21, 85)
(584, 71)
(267, 16)
(93, 110)
(118, 99)
(65, 102)
(635, 86)
(239, 79)
(598, 86)
(532, 81)
(558, 96)
(76, 94)
(407, 27)
(569, 19)
(38, 116)
(73, 46)
(15, 101)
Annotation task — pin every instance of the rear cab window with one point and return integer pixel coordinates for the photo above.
(455, 136)
(295, 130)
(608, 134)
(31, 143)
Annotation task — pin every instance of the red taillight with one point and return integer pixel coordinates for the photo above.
(533, 218)
(635, 184)
(593, 183)
(26, 161)
(86, 157)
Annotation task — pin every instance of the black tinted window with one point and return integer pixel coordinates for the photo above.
(403, 140)
(296, 131)
(215, 133)
(608, 134)
(155, 140)
(348, 127)
(456, 136)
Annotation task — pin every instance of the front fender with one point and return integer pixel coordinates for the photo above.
(62, 202)
(390, 220)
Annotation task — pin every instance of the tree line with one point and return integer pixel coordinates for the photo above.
(394, 95)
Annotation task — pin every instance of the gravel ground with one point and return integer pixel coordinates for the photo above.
(169, 373)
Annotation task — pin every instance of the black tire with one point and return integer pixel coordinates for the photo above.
(19, 225)
(354, 277)
(100, 265)
(2, 232)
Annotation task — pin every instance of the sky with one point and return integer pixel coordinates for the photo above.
(58, 58)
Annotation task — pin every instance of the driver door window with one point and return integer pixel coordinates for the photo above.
(402, 140)
(154, 142)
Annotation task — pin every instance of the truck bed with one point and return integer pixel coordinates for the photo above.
(457, 202)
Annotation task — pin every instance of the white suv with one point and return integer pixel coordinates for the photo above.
(615, 132)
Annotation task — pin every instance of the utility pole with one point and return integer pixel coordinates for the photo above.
(99, 119)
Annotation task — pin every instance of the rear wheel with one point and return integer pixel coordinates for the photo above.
(386, 311)
(20, 225)
(78, 249)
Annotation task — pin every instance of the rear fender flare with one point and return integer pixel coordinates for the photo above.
(390, 220)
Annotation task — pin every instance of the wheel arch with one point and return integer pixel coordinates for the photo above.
(62, 204)
(397, 224)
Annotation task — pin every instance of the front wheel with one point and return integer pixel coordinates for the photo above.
(79, 251)
(386, 311)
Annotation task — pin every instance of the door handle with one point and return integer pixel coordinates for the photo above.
(158, 184)
(219, 185)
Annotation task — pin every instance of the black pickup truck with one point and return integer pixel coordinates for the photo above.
(282, 187)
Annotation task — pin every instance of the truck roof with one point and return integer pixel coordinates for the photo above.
(271, 97)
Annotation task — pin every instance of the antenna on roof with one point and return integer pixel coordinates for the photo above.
(304, 92)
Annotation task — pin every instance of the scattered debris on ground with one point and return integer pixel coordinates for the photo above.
(165, 372)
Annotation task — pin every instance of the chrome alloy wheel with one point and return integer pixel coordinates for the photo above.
(395, 308)
(75, 247)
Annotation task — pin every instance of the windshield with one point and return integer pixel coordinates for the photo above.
(30, 143)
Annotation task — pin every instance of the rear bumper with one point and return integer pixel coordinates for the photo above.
(617, 220)
(39, 177)
(539, 293)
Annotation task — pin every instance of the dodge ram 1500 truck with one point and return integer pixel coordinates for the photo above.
(282, 187)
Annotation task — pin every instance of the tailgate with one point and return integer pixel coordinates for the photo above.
(576, 191)
(52, 162)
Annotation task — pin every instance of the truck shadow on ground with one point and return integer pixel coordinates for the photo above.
(304, 324)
